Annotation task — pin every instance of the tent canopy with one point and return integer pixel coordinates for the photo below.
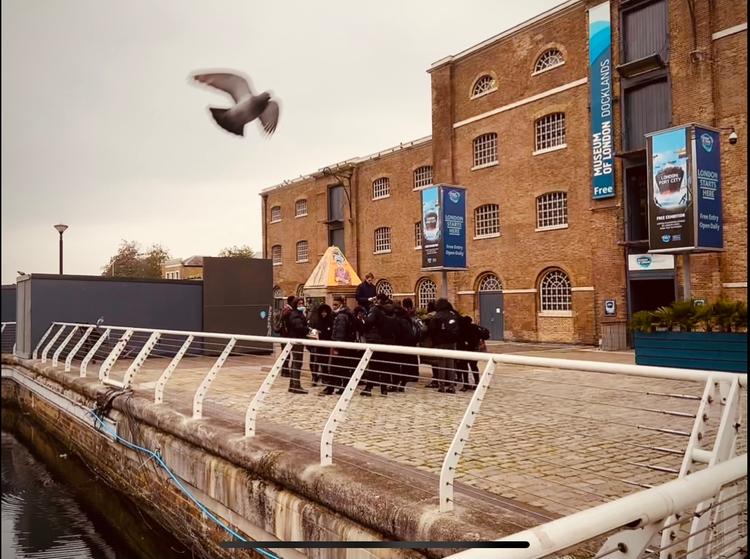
(332, 272)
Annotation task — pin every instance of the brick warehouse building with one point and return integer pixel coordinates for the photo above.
(540, 249)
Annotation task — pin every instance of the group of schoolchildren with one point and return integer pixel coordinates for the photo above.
(378, 320)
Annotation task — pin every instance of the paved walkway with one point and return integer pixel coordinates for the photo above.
(554, 439)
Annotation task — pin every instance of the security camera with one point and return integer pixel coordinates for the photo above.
(733, 137)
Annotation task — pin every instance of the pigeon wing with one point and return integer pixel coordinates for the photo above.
(237, 86)
(269, 118)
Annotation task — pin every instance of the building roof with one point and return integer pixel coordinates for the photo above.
(333, 270)
(508, 32)
(193, 261)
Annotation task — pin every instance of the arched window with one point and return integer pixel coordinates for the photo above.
(489, 282)
(382, 239)
(278, 297)
(276, 255)
(426, 292)
(549, 131)
(485, 149)
(423, 176)
(483, 85)
(301, 290)
(552, 210)
(385, 287)
(550, 58)
(554, 292)
(300, 208)
(303, 251)
(275, 214)
(487, 220)
(381, 188)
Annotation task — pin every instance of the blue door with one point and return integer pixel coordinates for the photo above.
(491, 313)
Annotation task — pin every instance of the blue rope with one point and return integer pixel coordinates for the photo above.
(201, 506)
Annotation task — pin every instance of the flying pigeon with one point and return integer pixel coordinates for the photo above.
(248, 106)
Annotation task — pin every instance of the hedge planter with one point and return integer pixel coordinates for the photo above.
(712, 351)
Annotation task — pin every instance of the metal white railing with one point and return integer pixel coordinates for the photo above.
(701, 408)
(8, 335)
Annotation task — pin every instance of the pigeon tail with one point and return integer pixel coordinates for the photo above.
(220, 118)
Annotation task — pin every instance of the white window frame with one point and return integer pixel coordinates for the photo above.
(549, 67)
(493, 86)
(421, 181)
(484, 146)
(418, 235)
(382, 240)
(547, 136)
(487, 277)
(384, 286)
(487, 208)
(545, 210)
(297, 205)
(381, 188)
(306, 256)
(276, 259)
(278, 218)
(422, 297)
(559, 302)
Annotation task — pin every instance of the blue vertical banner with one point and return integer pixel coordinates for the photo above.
(454, 227)
(709, 222)
(600, 80)
(444, 227)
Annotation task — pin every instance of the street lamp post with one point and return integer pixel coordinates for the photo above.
(61, 229)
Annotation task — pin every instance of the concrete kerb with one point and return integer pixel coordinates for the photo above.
(400, 511)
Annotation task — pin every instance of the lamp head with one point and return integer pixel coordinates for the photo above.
(61, 228)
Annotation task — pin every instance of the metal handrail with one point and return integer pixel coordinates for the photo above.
(640, 510)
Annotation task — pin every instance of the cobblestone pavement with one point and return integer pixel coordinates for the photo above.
(551, 438)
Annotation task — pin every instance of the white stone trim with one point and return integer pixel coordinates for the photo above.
(522, 102)
(551, 227)
(735, 284)
(556, 314)
(548, 68)
(582, 289)
(487, 236)
(729, 31)
(465, 292)
(547, 150)
(513, 291)
(484, 92)
(403, 294)
(485, 165)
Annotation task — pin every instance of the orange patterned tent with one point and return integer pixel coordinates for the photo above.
(333, 275)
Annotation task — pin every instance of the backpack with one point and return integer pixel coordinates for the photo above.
(418, 328)
(483, 333)
(451, 326)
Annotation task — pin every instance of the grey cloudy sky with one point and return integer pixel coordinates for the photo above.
(101, 130)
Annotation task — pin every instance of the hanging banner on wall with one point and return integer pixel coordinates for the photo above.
(600, 80)
(444, 228)
(684, 190)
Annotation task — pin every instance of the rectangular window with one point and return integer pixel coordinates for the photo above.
(336, 239)
(336, 200)
(423, 176)
(382, 240)
(300, 208)
(647, 109)
(275, 214)
(303, 251)
(644, 31)
(549, 132)
(487, 221)
(418, 234)
(552, 210)
(381, 188)
(276, 255)
(485, 150)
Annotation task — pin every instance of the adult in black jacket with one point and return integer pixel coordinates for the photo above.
(343, 361)
(297, 328)
(443, 330)
(468, 341)
(366, 292)
(322, 321)
(408, 367)
(381, 326)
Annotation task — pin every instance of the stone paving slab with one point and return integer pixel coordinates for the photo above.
(550, 438)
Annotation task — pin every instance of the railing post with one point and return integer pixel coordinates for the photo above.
(137, 363)
(51, 343)
(93, 350)
(69, 358)
(109, 362)
(694, 452)
(252, 410)
(36, 349)
(450, 463)
(64, 343)
(162, 382)
(723, 450)
(2, 329)
(206, 384)
(339, 410)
